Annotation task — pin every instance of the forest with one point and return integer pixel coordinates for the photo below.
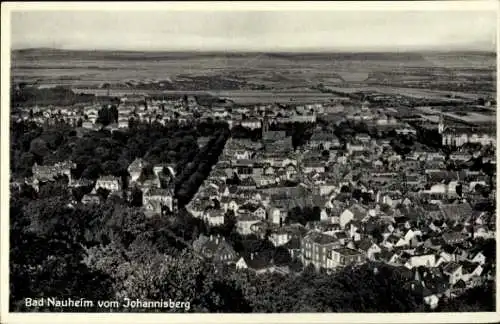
(114, 251)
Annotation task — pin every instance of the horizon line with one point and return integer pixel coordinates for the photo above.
(263, 51)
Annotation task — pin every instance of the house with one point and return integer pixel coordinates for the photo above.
(231, 203)
(294, 247)
(458, 288)
(197, 207)
(323, 141)
(430, 294)
(122, 122)
(244, 223)
(453, 270)
(391, 198)
(478, 258)
(153, 207)
(313, 166)
(109, 183)
(355, 212)
(214, 217)
(202, 141)
(88, 124)
(424, 260)
(369, 248)
(445, 257)
(257, 263)
(164, 197)
(135, 169)
(389, 257)
(91, 198)
(471, 270)
(314, 249)
(248, 183)
(260, 212)
(484, 232)
(215, 248)
(457, 212)
(280, 236)
(353, 147)
(341, 257)
(251, 123)
(363, 138)
(278, 214)
(452, 238)
(49, 172)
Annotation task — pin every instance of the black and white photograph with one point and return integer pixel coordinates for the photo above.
(246, 158)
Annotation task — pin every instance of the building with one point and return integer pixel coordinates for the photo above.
(109, 183)
(323, 141)
(91, 199)
(315, 247)
(49, 172)
(163, 197)
(214, 217)
(215, 248)
(278, 214)
(245, 222)
(458, 136)
(257, 263)
(342, 257)
(135, 169)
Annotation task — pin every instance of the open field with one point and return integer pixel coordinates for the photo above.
(428, 75)
(409, 92)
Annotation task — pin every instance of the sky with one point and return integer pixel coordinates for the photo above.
(327, 30)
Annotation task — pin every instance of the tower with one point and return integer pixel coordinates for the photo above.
(441, 124)
(265, 125)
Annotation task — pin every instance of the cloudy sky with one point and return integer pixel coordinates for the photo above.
(256, 30)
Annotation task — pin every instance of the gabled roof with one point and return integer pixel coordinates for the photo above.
(215, 212)
(451, 267)
(460, 284)
(210, 246)
(456, 212)
(347, 252)
(468, 267)
(273, 135)
(257, 261)
(136, 165)
(365, 244)
(320, 238)
(358, 211)
(247, 217)
(293, 244)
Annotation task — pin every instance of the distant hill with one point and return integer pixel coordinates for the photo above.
(34, 53)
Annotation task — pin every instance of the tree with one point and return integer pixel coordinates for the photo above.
(103, 193)
(113, 113)
(136, 197)
(104, 116)
(39, 147)
(282, 256)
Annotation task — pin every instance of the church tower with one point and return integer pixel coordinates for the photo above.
(265, 125)
(441, 124)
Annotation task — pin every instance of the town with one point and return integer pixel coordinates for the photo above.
(284, 189)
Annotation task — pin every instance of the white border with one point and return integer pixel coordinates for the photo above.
(7, 8)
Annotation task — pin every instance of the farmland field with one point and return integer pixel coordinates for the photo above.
(245, 76)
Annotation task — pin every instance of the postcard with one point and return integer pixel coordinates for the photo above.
(249, 162)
